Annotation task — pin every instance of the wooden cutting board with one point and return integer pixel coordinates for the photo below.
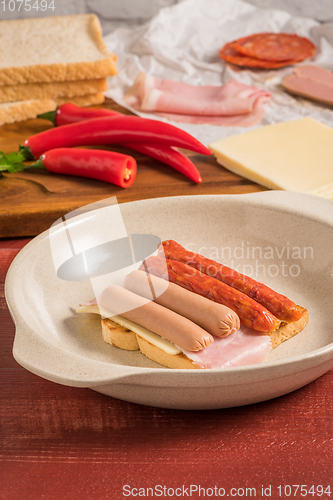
(31, 201)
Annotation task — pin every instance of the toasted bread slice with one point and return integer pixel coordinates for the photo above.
(177, 361)
(289, 330)
(126, 339)
(119, 336)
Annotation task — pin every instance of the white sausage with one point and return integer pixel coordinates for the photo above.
(166, 323)
(216, 319)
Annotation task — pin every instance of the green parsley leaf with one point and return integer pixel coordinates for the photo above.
(12, 162)
(15, 158)
(16, 167)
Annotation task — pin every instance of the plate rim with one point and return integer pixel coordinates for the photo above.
(264, 198)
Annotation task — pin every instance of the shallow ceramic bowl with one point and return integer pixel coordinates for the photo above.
(285, 239)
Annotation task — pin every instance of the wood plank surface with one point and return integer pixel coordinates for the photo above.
(73, 443)
(32, 200)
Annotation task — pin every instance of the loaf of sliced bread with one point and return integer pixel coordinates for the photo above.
(53, 49)
(23, 110)
(51, 90)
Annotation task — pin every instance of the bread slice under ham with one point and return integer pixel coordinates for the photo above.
(123, 338)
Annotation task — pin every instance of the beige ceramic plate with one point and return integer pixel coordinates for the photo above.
(284, 239)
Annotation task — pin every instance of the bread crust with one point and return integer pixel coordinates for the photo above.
(289, 330)
(176, 361)
(59, 72)
(24, 110)
(84, 100)
(51, 90)
(120, 337)
(20, 111)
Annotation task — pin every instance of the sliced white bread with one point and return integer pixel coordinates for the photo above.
(51, 90)
(53, 49)
(124, 338)
(83, 100)
(23, 110)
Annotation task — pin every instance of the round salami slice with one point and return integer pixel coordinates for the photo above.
(275, 47)
(230, 55)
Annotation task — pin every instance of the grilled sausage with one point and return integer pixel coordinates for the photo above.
(279, 305)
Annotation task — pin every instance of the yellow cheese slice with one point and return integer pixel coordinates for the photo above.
(295, 156)
(156, 340)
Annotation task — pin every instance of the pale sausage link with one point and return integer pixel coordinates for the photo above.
(250, 312)
(216, 319)
(168, 324)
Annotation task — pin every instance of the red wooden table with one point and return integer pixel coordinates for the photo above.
(67, 443)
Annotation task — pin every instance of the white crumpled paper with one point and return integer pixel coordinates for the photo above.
(182, 43)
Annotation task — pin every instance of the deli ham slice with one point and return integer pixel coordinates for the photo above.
(232, 104)
(246, 120)
(233, 98)
(244, 347)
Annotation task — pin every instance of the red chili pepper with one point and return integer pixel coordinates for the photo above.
(71, 113)
(170, 156)
(109, 130)
(107, 166)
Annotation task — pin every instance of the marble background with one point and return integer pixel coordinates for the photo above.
(118, 13)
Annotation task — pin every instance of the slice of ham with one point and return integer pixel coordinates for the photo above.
(244, 347)
(312, 82)
(232, 104)
(246, 120)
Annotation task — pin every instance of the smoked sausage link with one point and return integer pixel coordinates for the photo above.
(279, 305)
(250, 312)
